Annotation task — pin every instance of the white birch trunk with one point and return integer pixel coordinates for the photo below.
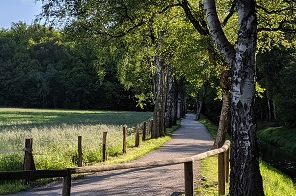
(245, 177)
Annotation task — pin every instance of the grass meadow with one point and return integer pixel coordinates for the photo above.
(55, 137)
(274, 181)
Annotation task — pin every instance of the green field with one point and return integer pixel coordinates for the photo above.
(55, 134)
(55, 137)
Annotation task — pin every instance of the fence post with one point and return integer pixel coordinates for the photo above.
(79, 161)
(28, 159)
(188, 174)
(137, 136)
(124, 140)
(148, 126)
(104, 146)
(151, 127)
(221, 173)
(227, 156)
(67, 184)
(144, 131)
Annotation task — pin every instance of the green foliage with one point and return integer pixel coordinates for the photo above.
(11, 187)
(276, 73)
(281, 137)
(212, 105)
(41, 68)
(276, 23)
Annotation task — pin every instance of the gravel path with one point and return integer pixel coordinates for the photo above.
(190, 139)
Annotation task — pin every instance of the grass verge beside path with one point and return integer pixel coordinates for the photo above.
(281, 137)
(274, 182)
(144, 148)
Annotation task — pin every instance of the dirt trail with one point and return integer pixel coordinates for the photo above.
(190, 139)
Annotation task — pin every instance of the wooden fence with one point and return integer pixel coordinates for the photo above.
(144, 129)
(223, 170)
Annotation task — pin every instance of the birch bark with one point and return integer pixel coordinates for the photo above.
(245, 177)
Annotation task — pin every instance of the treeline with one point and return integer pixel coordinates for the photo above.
(41, 68)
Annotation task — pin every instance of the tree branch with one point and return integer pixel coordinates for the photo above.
(217, 32)
(273, 11)
(281, 27)
(230, 14)
(189, 15)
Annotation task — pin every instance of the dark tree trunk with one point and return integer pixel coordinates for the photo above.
(224, 115)
(161, 93)
(175, 105)
(159, 107)
(200, 100)
(181, 99)
(170, 99)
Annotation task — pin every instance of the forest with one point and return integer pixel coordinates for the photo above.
(210, 57)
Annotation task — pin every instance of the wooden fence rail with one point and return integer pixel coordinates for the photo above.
(223, 169)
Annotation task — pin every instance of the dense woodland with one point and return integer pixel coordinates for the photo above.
(43, 68)
(161, 56)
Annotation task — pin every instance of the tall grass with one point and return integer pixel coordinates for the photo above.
(55, 134)
(55, 137)
(55, 140)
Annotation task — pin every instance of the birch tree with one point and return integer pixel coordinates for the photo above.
(245, 177)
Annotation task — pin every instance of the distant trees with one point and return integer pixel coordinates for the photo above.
(276, 73)
(40, 68)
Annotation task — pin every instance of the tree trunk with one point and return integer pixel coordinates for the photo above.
(161, 88)
(170, 99)
(245, 173)
(198, 109)
(201, 97)
(224, 115)
(181, 99)
(270, 110)
(175, 105)
(245, 177)
(274, 112)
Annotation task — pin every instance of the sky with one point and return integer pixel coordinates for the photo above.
(18, 10)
